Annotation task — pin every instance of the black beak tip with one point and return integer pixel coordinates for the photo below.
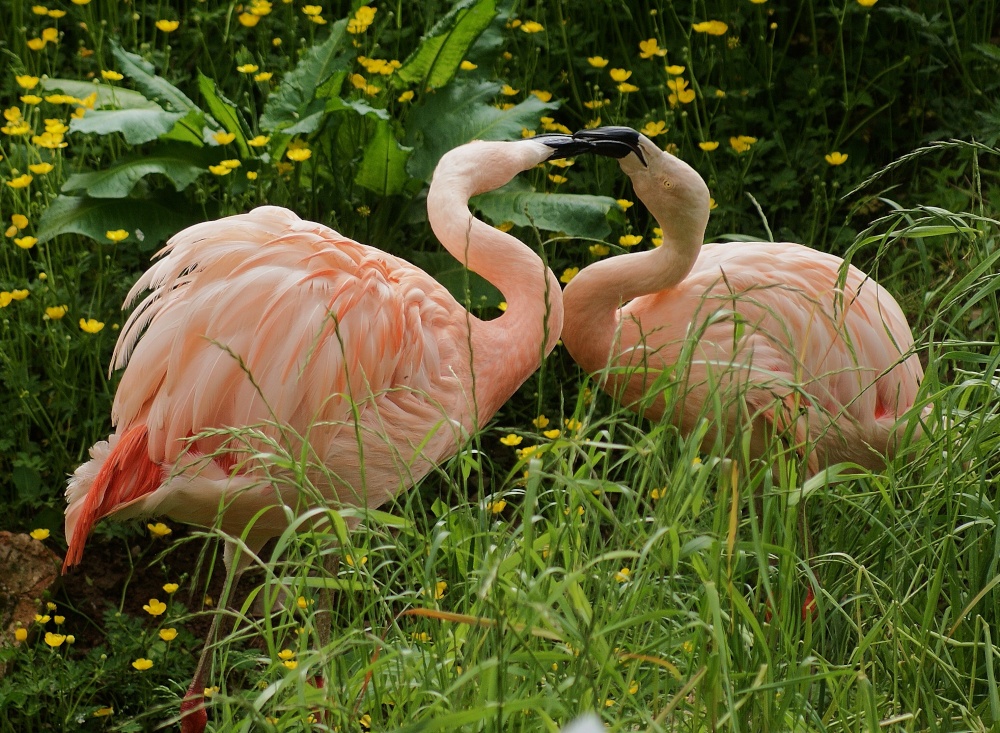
(613, 141)
(564, 146)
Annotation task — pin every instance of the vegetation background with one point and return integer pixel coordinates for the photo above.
(573, 557)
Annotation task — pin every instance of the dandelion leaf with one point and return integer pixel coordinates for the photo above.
(442, 50)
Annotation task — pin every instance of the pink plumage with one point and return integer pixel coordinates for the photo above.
(803, 344)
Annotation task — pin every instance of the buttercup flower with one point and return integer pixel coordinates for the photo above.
(599, 250)
(542, 95)
(623, 575)
(263, 76)
(629, 240)
(298, 154)
(26, 82)
(167, 26)
(467, 65)
(22, 181)
(620, 74)
(55, 312)
(651, 48)
(532, 26)
(54, 640)
(568, 274)
(495, 507)
(111, 75)
(116, 235)
(511, 440)
(248, 20)
(248, 68)
(170, 588)
(91, 325)
(39, 534)
(21, 634)
(40, 169)
(835, 158)
(540, 422)
(405, 96)
(168, 634)
(674, 70)
(363, 18)
(598, 62)
(866, 3)
(25, 242)
(159, 529)
(142, 664)
(680, 92)
(711, 27)
(652, 129)
(155, 607)
(742, 143)
(708, 145)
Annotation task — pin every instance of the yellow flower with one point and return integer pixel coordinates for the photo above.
(56, 14)
(231, 163)
(626, 88)
(39, 534)
(155, 607)
(5, 299)
(557, 179)
(25, 242)
(91, 325)
(742, 143)
(248, 20)
(511, 440)
(55, 312)
(623, 575)
(111, 75)
(39, 10)
(363, 17)
(290, 663)
(349, 559)
(542, 95)
(49, 140)
(263, 76)
(598, 62)
(167, 26)
(36, 44)
(159, 529)
(26, 82)
(652, 129)
(40, 169)
(629, 240)
(711, 204)
(532, 26)
(59, 620)
(573, 425)
(210, 691)
(650, 48)
(298, 154)
(21, 634)
(540, 422)
(633, 687)
(866, 3)
(303, 603)
(259, 141)
(104, 712)
(405, 96)
(22, 181)
(170, 588)
(248, 68)
(620, 74)
(219, 170)
(286, 654)
(41, 619)
(168, 634)
(711, 27)
(552, 434)
(674, 70)
(609, 702)
(495, 507)
(599, 250)
(708, 145)
(657, 494)
(116, 235)
(18, 128)
(834, 158)
(31, 99)
(568, 274)
(251, 175)
(439, 588)
(54, 640)
(680, 92)
(312, 9)
(142, 664)
(50, 35)
(508, 91)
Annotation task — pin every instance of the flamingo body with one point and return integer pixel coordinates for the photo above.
(264, 334)
(790, 337)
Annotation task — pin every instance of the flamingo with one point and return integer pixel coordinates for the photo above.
(287, 333)
(807, 346)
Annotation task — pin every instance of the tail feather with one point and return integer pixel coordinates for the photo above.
(119, 473)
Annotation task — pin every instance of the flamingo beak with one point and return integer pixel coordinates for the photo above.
(564, 146)
(612, 141)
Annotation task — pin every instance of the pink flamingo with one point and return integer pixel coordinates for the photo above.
(808, 347)
(265, 330)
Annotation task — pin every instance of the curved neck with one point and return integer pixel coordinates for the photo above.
(507, 350)
(594, 297)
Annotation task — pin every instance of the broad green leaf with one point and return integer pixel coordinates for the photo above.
(287, 105)
(336, 104)
(143, 75)
(576, 215)
(224, 112)
(383, 165)
(188, 129)
(182, 164)
(107, 95)
(149, 221)
(458, 114)
(440, 52)
(137, 125)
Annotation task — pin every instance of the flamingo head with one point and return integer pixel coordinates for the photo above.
(663, 182)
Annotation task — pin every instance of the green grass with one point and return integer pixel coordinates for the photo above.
(494, 595)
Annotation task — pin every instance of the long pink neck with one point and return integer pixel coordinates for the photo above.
(595, 295)
(507, 350)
